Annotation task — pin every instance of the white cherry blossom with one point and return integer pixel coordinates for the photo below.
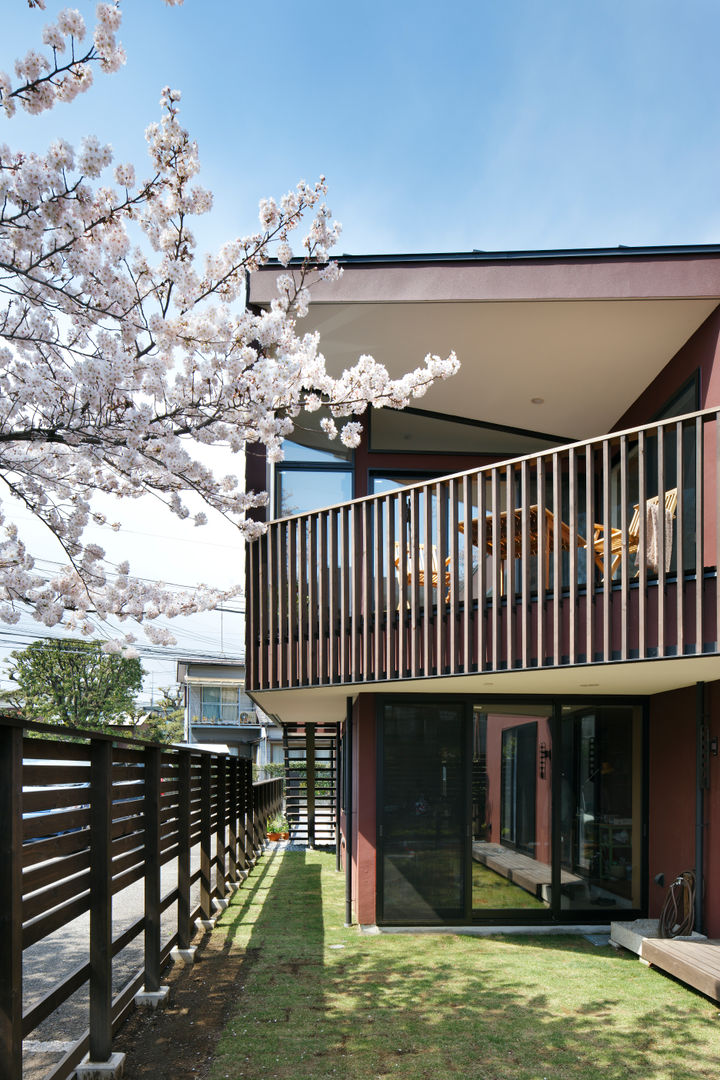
(119, 355)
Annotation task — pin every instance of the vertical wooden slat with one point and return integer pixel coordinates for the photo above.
(312, 575)
(294, 603)
(11, 954)
(589, 554)
(467, 482)
(220, 871)
(427, 539)
(442, 494)
(310, 781)
(205, 837)
(283, 604)
(699, 533)
(345, 569)
(390, 586)
(252, 598)
(261, 551)
(572, 554)
(378, 572)
(496, 564)
(333, 597)
(367, 583)
(414, 590)
(543, 557)
(525, 560)
(680, 546)
(512, 539)
(151, 822)
(607, 533)
(322, 599)
(452, 608)
(660, 541)
(557, 565)
(272, 602)
(624, 568)
(481, 571)
(402, 551)
(356, 519)
(642, 547)
(184, 928)
(232, 841)
(100, 900)
(303, 599)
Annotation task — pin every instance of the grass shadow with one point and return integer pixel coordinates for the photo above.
(322, 1001)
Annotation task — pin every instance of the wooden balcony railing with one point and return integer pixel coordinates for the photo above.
(598, 551)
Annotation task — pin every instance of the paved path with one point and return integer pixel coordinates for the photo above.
(52, 959)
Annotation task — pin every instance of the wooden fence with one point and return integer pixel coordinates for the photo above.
(81, 820)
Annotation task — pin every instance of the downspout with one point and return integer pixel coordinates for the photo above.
(348, 812)
(701, 782)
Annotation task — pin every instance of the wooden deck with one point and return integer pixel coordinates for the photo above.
(695, 963)
(522, 870)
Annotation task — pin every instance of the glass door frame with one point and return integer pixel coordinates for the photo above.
(554, 914)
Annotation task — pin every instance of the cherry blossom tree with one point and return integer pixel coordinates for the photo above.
(122, 348)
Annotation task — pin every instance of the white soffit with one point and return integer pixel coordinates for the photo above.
(588, 359)
(327, 704)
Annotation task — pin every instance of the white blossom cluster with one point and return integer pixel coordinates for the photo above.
(120, 348)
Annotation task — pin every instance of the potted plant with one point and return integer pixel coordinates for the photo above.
(278, 828)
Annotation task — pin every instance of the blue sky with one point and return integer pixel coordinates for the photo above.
(439, 127)
(495, 124)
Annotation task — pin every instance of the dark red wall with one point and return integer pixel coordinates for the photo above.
(364, 809)
(672, 757)
(701, 352)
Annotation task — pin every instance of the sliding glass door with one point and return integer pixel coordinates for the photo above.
(509, 811)
(423, 812)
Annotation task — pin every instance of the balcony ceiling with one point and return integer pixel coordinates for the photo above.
(587, 360)
(585, 335)
(327, 704)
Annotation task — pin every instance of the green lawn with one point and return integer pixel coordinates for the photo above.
(316, 1000)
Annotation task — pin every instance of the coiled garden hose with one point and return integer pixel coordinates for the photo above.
(678, 912)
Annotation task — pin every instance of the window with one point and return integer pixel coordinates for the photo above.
(219, 704)
(315, 473)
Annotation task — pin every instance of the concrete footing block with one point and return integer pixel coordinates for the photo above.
(183, 956)
(207, 924)
(233, 886)
(220, 903)
(153, 999)
(111, 1069)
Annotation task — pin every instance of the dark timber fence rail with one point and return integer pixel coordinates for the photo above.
(81, 820)
(541, 561)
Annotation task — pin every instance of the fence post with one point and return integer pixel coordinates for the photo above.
(205, 842)
(100, 900)
(232, 820)
(152, 871)
(183, 910)
(310, 781)
(220, 829)
(11, 744)
(242, 818)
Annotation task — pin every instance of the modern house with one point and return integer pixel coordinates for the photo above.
(218, 711)
(507, 599)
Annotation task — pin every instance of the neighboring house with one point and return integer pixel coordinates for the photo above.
(508, 598)
(219, 711)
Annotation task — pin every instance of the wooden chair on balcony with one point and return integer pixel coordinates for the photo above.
(614, 539)
(434, 569)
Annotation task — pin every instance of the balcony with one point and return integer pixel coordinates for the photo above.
(225, 716)
(600, 551)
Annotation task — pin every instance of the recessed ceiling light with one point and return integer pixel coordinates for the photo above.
(589, 684)
(537, 400)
